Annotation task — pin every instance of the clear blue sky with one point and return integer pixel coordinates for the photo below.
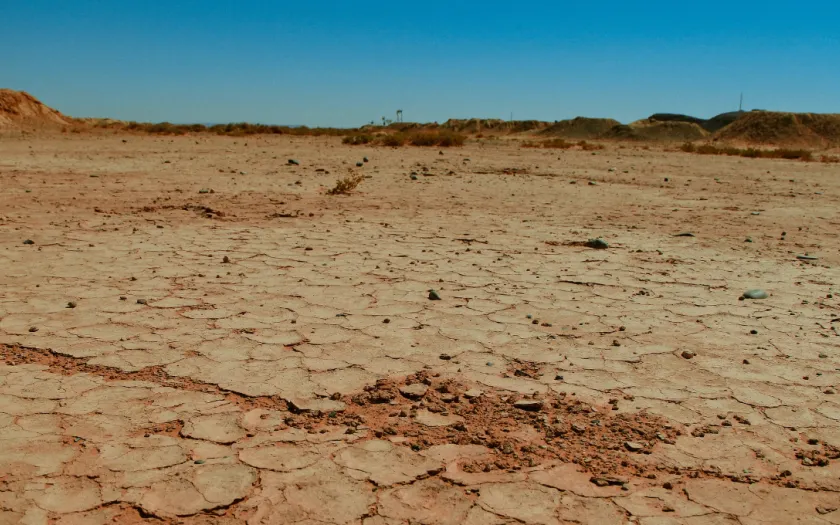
(346, 63)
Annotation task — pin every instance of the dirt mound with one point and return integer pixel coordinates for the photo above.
(581, 128)
(20, 110)
(475, 125)
(784, 129)
(711, 125)
(653, 130)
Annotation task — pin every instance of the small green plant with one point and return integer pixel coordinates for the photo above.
(346, 185)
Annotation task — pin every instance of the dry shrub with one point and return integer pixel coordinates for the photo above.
(750, 153)
(346, 185)
(356, 140)
(440, 138)
(395, 141)
(563, 144)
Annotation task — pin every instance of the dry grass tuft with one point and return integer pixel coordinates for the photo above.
(563, 144)
(439, 138)
(346, 185)
(750, 153)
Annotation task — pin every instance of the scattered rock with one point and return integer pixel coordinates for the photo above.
(294, 162)
(203, 190)
(141, 301)
(71, 304)
(359, 164)
(755, 294)
(434, 295)
(684, 234)
(33, 329)
(365, 159)
(807, 258)
(28, 241)
(687, 354)
(225, 259)
(316, 405)
(473, 393)
(413, 177)
(531, 405)
(633, 446)
(825, 510)
(414, 391)
(597, 244)
(445, 357)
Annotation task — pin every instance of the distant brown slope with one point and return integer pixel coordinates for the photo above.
(581, 128)
(651, 130)
(783, 129)
(20, 110)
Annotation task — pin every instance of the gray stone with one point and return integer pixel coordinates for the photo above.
(598, 244)
(755, 294)
(633, 446)
(473, 393)
(433, 295)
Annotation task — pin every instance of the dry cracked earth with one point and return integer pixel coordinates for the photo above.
(192, 331)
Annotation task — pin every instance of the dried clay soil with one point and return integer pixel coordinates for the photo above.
(192, 331)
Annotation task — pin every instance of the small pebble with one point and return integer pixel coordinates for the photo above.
(294, 162)
(433, 295)
(755, 294)
(687, 354)
(141, 301)
(71, 304)
(33, 329)
(28, 241)
(597, 244)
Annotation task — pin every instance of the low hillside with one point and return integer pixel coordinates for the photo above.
(772, 128)
(581, 128)
(20, 110)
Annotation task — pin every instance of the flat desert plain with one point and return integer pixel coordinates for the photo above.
(193, 331)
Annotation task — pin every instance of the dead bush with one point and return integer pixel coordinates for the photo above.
(346, 185)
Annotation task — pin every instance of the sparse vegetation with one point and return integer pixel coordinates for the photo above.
(563, 144)
(346, 185)
(357, 140)
(440, 138)
(233, 129)
(751, 153)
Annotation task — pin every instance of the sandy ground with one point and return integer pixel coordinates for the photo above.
(198, 334)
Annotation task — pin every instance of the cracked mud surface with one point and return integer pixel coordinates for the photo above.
(263, 353)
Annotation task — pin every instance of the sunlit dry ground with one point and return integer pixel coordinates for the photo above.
(200, 335)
